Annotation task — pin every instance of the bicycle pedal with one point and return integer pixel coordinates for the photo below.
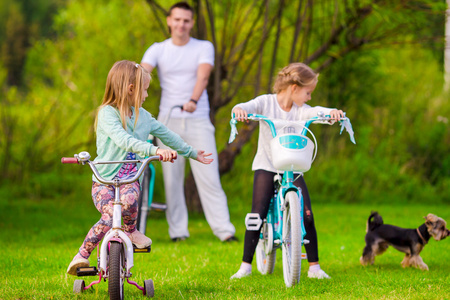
(142, 250)
(253, 222)
(87, 271)
(158, 206)
(305, 242)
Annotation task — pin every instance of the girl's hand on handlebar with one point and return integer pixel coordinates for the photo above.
(167, 155)
(203, 158)
(240, 114)
(336, 115)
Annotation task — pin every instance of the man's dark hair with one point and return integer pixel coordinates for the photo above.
(182, 5)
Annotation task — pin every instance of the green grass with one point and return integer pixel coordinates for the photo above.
(40, 237)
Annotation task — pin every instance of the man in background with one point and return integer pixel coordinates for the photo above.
(184, 65)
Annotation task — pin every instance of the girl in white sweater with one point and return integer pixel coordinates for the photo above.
(293, 88)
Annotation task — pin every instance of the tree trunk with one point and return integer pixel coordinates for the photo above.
(447, 49)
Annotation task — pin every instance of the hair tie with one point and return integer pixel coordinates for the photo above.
(137, 66)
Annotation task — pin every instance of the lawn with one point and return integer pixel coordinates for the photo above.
(40, 237)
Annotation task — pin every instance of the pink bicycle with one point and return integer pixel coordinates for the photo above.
(115, 256)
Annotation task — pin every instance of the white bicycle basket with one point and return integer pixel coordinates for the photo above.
(293, 152)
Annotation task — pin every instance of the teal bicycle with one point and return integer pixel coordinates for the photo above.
(292, 154)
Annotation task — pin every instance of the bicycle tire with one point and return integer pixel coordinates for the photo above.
(266, 254)
(149, 288)
(116, 271)
(78, 286)
(292, 244)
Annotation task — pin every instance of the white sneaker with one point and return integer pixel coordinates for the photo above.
(319, 274)
(139, 240)
(241, 273)
(77, 263)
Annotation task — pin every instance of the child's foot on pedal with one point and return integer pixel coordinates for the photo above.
(318, 274)
(139, 239)
(77, 262)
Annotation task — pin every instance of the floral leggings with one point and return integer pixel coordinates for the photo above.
(103, 197)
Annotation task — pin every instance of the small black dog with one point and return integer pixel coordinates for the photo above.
(380, 236)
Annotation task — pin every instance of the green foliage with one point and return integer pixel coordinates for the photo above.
(21, 24)
(402, 134)
(392, 92)
(66, 78)
(13, 49)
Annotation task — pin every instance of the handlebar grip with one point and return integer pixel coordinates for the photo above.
(69, 160)
(161, 158)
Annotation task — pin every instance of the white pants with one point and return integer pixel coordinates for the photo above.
(198, 133)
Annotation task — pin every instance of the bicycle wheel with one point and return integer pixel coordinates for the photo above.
(149, 288)
(292, 245)
(116, 271)
(265, 253)
(78, 286)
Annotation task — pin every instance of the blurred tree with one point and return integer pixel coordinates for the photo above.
(349, 42)
(22, 23)
(447, 48)
(13, 49)
(254, 39)
(65, 78)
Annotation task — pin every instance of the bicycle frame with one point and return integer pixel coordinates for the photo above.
(116, 232)
(275, 215)
(276, 234)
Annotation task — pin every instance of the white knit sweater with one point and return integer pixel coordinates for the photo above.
(267, 105)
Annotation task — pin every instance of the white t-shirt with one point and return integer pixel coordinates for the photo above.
(177, 71)
(267, 105)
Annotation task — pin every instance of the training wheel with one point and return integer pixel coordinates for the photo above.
(78, 286)
(149, 288)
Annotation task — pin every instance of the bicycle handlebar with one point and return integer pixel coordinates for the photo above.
(83, 158)
(69, 160)
(345, 123)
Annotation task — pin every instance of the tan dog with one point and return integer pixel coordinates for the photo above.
(380, 236)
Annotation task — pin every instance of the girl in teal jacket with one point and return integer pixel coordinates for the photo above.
(122, 128)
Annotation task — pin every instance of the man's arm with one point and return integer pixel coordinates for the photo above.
(148, 67)
(203, 72)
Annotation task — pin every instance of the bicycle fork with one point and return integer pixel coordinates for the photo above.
(116, 233)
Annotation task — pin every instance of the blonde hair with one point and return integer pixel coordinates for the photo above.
(295, 73)
(122, 74)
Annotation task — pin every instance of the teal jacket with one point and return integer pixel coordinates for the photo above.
(114, 142)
